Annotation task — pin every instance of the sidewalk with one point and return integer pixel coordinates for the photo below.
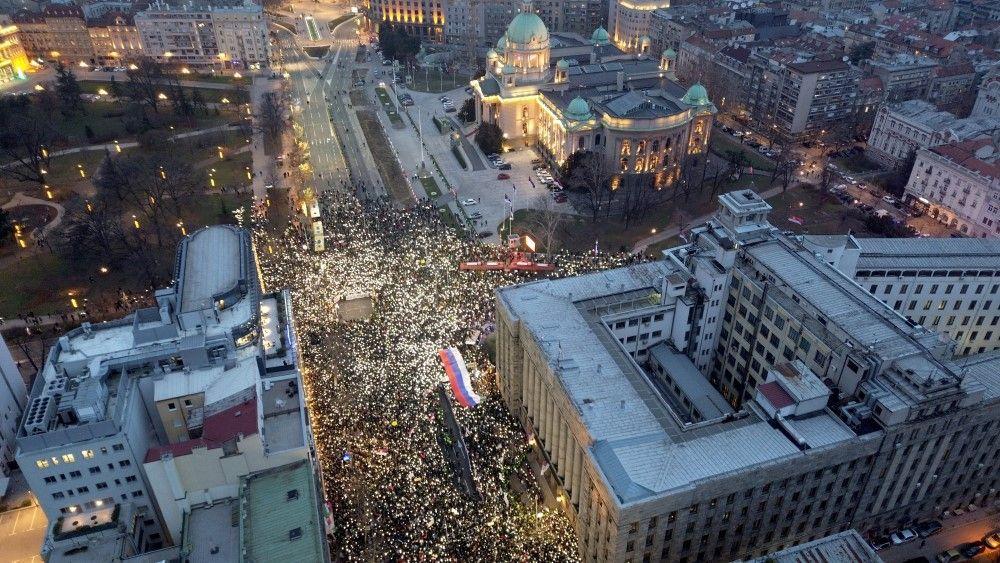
(21, 199)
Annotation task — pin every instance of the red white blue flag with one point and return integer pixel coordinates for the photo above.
(458, 375)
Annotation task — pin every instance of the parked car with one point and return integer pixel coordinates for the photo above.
(880, 543)
(949, 556)
(992, 540)
(504, 166)
(476, 215)
(503, 176)
(386, 62)
(485, 234)
(971, 550)
(928, 529)
(469, 201)
(905, 535)
(888, 199)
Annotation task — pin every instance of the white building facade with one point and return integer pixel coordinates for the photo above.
(959, 185)
(13, 395)
(206, 36)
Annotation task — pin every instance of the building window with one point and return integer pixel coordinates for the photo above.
(88, 454)
(42, 463)
(171, 406)
(68, 458)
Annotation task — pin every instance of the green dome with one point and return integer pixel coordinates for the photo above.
(600, 37)
(578, 110)
(670, 53)
(563, 64)
(491, 54)
(525, 28)
(696, 96)
(502, 44)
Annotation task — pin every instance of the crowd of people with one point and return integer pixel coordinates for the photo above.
(371, 384)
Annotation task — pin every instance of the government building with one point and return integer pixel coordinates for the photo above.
(559, 94)
(745, 394)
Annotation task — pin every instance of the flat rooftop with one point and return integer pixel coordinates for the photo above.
(211, 266)
(641, 450)
(280, 515)
(213, 533)
(929, 254)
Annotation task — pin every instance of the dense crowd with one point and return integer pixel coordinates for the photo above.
(372, 383)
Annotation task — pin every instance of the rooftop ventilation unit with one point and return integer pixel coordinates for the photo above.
(41, 411)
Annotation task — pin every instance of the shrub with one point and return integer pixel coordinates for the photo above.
(458, 155)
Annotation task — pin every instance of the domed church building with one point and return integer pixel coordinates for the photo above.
(558, 94)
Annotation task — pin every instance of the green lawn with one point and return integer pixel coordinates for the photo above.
(385, 160)
(448, 218)
(237, 94)
(232, 171)
(431, 187)
(859, 163)
(103, 118)
(208, 209)
(434, 80)
(720, 143)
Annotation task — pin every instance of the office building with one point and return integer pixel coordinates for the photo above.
(901, 129)
(139, 421)
(201, 34)
(421, 19)
(69, 39)
(904, 77)
(841, 415)
(563, 95)
(945, 285)
(13, 395)
(959, 185)
(800, 100)
(13, 59)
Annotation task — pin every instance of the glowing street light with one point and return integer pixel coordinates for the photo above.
(249, 175)
(237, 75)
(79, 168)
(135, 221)
(220, 152)
(117, 146)
(161, 96)
(163, 174)
(84, 65)
(48, 191)
(102, 92)
(168, 54)
(103, 269)
(225, 100)
(185, 70)
(39, 88)
(180, 225)
(133, 67)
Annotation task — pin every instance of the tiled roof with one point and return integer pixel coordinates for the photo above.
(964, 154)
(778, 397)
(240, 420)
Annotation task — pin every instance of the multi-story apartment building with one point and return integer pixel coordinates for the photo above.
(952, 86)
(988, 97)
(629, 22)
(69, 39)
(800, 99)
(839, 547)
(140, 420)
(114, 38)
(424, 19)
(904, 77)
(13, 59)
(959, 184)
(202, 34)
(901, 129)
(32, 34)
(668, 28)
(13, 395)
(836, 412)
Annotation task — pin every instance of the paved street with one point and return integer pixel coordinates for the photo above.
(968, 527)
(21, 534)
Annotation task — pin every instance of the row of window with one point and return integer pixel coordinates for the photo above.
(71, 457)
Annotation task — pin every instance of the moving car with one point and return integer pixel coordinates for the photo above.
(503, 176)
(905, 535)
(469, 201)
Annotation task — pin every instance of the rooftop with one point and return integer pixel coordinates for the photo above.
(212, 533)
(280, 512)
(211, 266)
(845, 547)
(976, 155)
(929, 253)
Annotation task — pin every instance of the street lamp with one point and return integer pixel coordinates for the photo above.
(161, 96)
(135, 221)
(118, 147)
(79, 168)
(180, 225)
(225, 100)
(249, 175)
(220, 152)
(102, 92)
(103, 269)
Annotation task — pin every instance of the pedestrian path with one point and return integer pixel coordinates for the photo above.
(20, 198)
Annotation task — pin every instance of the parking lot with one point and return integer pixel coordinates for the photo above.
(958, 531)
(21, 534)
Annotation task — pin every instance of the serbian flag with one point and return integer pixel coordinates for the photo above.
(458, 375)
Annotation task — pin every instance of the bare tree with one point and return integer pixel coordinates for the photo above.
(547, 223)
(591, 173)
(145, 83)
(272, 119)
(26, 139)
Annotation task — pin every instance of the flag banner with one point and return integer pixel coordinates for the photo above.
(458, 375)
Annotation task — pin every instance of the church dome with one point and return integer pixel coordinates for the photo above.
(525, 28)
(578, 110)
(563, 64)
(670, 53)
(502, 44)
(491, 54)
(696, 96)
(600, 37)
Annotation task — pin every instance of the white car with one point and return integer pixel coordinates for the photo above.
(469, 201)
(903, 536)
